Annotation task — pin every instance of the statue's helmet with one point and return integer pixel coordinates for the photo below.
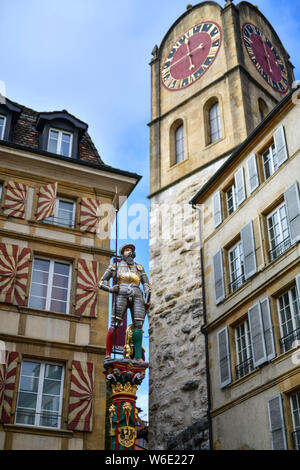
(126, 245)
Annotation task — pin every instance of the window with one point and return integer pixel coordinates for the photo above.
(215, 123)
(179, 143)
(2, 126)
(236, 267)
(263, 109)
(40, 394)
(231, 200)
(60, 142)
(295, 407)
(64, 213)
(289, 317)
(278, 231)
(50, 285)
(270, 161)
(243, 349)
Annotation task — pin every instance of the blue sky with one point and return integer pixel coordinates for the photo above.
(91, 57)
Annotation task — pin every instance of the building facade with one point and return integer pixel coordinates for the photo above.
(217, 73)
(54, 248)
(251, 258)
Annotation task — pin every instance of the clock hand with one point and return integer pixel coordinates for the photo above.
(267, 56)
(189, 54)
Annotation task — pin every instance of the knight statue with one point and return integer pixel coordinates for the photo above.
(128, 276)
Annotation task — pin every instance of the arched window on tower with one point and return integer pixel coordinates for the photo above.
(263, 109)
(215, 129)
(177, 145)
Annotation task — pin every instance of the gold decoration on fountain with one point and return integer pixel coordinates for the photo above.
(112, 412)
(128, 351)
(124, 388)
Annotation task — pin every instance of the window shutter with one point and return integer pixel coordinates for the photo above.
(247, 237)
(14, 271)
(292, 201)
(80, 414)
(276, 421)
(87, 288)
(8, 372)
(46, 201)
(15, 199)
(89, 214)
(298, 286)
(280, 145)
(224, 358)
(240, 187)
(268, 328)
(219, 277)
(217, 208)
(252, 173)
(257, 335)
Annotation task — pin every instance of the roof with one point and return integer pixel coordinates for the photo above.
(241, 147)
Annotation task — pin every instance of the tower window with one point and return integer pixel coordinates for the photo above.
(215, 123)
(2, 126)
(60, 142)
(179, 143)
(263, 109)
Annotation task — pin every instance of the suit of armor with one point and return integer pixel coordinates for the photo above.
(128, 277)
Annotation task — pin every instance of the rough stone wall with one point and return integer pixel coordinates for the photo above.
(177, 386)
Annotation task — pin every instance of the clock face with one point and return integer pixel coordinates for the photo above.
(191, 56)
(265, 58)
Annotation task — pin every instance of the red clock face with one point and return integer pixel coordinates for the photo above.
(191, 56)
(265, 58)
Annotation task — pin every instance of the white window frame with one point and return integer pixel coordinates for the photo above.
(179, 155)
(247, 349)
(38, 412)
(292, 309)
(51, 219)
(269, 216)
(232, 188)
(241, 265)
(294, 411)
(59, 141)
(215, 136)
(3, 128)
(271, 150)
(50, 283)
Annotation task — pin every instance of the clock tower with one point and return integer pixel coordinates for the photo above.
(217, 73)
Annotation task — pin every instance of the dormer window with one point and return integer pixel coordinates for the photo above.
(2, 126)
(60, 142)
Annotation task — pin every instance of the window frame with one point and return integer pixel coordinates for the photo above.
(38, 411)
(179, 156)
(4, 125)
(50, 284)
(59, 141)
(248, 349)
(56, 212)
(232, 187)
(218, 121)
(271, 159)
(292, 312)
(271, 214)
(296, 430)
(241, 267)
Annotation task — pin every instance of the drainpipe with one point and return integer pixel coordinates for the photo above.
(204, 332)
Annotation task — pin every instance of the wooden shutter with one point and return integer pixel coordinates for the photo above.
(15, 199)
(276, 422)
(219, 277)
(240, 187)
(252, 173)
(8, 372)
(257, 335)
(80, 414)
(14, 270)
(292, 201)
(280, 145)
(247, 238)
(217, 209)
(224, 357)
(46, 201)
(268, 328)
(87, 288)
(89, 214)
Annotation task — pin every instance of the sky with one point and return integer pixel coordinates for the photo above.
(91, 57)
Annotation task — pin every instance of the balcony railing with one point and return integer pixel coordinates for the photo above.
(244, 368)
(279, 249)
(236, 283)
(296, 439)
(286, 342)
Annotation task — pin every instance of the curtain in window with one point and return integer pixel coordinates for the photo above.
(89, 214)
(8, 371)
(80, 416)
(14, 270)
(15, 199)
(46, 201)
(87, 288)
